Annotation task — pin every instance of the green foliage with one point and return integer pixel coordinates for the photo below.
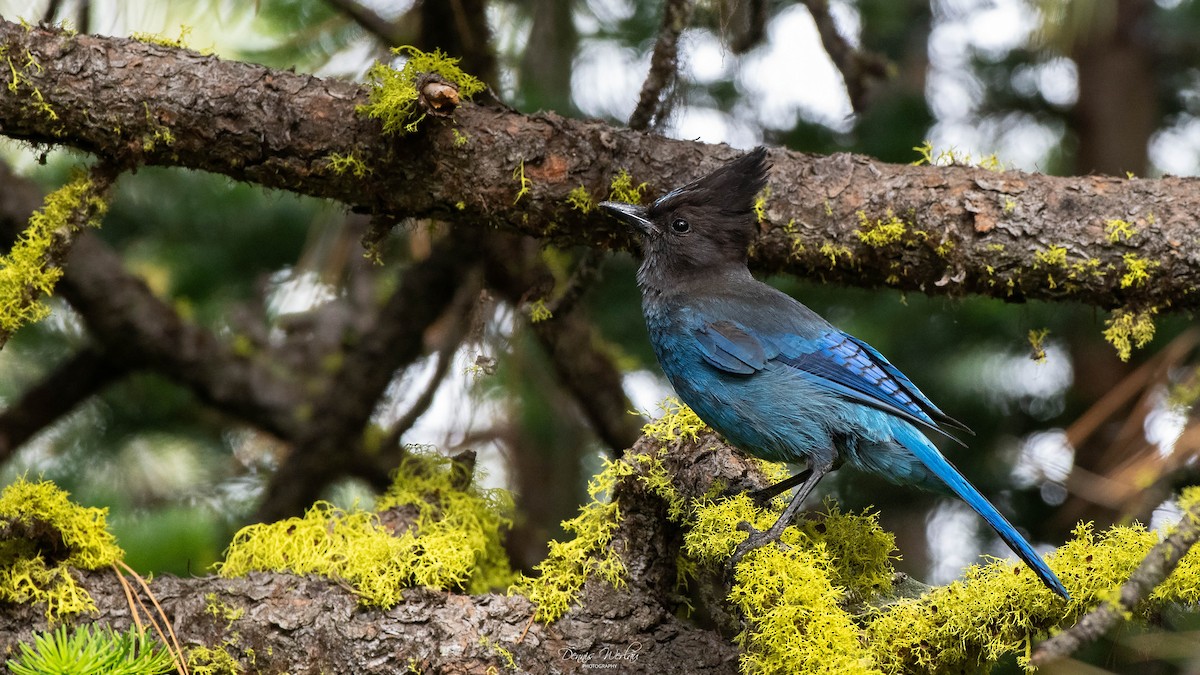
(30, 512)
(27, 272)
(571, 563)
(89, 650)
(454, 542)
(392, 94)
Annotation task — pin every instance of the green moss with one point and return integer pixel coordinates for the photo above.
(1137, 270)
(571, 563)
(341, 164)
(1127, 329)
(455, 541)
(1119, 230)
(460, 139)
(882, 231)
(28, 271)
(581, 200)
(31, 512)
(622, 189)
(392, 94)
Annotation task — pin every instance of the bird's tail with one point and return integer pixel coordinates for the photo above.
(943, 469)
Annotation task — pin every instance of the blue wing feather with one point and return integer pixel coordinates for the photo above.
(835, 360)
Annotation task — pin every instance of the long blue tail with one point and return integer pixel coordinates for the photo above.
(943, 469)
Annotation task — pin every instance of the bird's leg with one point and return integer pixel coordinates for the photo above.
(816, 472)
(764, 496)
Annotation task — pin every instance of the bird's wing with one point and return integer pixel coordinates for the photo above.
(831, 358)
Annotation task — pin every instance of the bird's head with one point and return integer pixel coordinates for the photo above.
(704, 225)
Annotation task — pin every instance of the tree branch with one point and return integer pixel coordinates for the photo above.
(664, 65)
(1009, 235)
(1154, 569)
(858, 67)
(331, 441)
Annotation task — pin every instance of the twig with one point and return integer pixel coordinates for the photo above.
(858, 67)
(367, 19)
(1154, 568)
(664, 64)
(585, 273)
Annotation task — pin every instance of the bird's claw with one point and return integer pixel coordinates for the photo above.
(756, 539)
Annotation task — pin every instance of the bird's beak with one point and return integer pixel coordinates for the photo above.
(630, 213)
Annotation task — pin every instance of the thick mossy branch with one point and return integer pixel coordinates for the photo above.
(31, 269)
(425, 532)
(571, 563)
(43, 534)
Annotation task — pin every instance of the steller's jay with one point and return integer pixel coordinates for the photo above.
(769, 374)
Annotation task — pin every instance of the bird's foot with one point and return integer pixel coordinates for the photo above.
(756, 539)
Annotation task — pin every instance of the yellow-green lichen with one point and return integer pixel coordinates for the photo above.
(214, 607)
(760, 205)
(1054, 256)
(581, 200)
(506, 656)
(19, 75)
(153, 39)
(792, 598)
(569, 564)
(347, 163)
(622, 189)
(882, 231)
(523, 183)
(29, 271)
(953, 157)
(1010, 204)
(460, 139)
(1127, 329)
(677, 421)
(538, 311)
(1137, 270)
(453, 542)
(1119, 230)
(213, 661)
(79, 538)
(833, 252)
(1037, 344)
(392, 94)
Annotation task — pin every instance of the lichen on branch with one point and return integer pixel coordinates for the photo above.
(427, 83)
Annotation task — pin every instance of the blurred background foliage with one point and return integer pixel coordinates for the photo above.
(1057, 86)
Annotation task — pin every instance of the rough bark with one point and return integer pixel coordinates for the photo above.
(966, 230)
(311, 625)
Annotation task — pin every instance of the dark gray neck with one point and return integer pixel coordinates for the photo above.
(659, 281)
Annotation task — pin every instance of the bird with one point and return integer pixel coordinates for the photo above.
(770, 375)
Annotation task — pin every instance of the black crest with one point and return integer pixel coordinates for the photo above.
(731, 189)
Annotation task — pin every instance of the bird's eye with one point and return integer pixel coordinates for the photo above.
(680, 225)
